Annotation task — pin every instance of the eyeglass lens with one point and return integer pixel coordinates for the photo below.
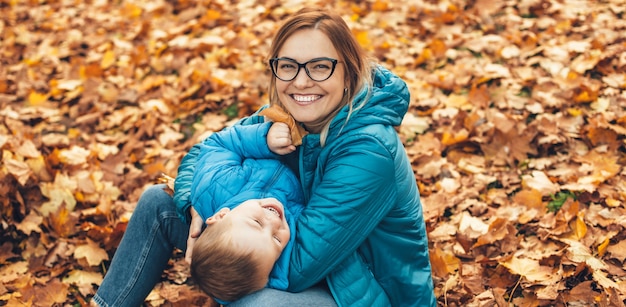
(317, 69)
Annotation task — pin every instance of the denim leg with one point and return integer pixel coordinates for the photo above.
(152, 233)
(316, 296)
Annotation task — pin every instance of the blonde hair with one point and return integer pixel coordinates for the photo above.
(222, 268)
(356, 64)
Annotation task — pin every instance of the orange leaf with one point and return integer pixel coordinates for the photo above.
(438, 47)
(498, 230)
(530, 198)
(599, 136)
(479, 95)
(380, 6)
(449, 139)
(443, 262)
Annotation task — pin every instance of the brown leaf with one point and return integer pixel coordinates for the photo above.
(52, 293)
(277, 114)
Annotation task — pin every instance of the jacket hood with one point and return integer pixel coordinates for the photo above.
(384, 102)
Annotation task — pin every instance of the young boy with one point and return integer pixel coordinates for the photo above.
(250, 202)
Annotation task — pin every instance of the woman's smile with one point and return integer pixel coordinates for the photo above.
(305, 99)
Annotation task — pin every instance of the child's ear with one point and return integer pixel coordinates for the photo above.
(217, 216)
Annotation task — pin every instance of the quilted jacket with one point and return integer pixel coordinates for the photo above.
(362, 229)
(235, 165)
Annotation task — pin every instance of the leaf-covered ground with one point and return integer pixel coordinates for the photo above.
(516, 132)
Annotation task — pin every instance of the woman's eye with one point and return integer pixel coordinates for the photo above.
(277, 239)
(258, 222)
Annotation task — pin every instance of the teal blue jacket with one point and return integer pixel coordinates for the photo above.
(362, 229)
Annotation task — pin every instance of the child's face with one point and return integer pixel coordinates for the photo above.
(259, 224)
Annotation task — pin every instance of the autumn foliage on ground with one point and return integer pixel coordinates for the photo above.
(516, 133)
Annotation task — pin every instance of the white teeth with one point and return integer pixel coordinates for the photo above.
(273, 211)
(307, 98)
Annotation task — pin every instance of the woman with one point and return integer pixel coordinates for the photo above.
(361, 239)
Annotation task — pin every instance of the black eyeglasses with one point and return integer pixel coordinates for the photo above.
(318, 69)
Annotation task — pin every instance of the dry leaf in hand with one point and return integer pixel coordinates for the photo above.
(278, 115)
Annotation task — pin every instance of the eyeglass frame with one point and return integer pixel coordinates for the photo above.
(303, 65)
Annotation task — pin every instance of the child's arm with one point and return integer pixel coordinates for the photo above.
(279, 139)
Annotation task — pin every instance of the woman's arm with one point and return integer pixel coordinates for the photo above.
(356, 191)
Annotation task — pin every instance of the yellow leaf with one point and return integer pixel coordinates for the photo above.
(579, 227)
(363, 38)
(37, 99)
(131, 10)
(574, 112)
(602, 247)
(108, 59)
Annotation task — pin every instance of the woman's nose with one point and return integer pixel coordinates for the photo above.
(302, 80)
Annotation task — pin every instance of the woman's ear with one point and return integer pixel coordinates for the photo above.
(219, 215)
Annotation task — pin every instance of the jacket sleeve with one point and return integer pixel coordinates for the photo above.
(245, 141)
(220, 164)
(356, 191)
(186, 169)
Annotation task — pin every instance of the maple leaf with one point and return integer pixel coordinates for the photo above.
(30, 223)
(579, 253)
(84, 280)
(539, 181)
(20, 170)
(472, 226)
(92, 252)
(618, 251)
(443, 262)
(60, 192)
(528, 268)
(498, 230)
(53, 292)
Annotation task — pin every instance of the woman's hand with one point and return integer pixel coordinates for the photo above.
(194, 232)
(279, 139)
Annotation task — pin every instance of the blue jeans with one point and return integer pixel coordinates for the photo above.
(154, 230)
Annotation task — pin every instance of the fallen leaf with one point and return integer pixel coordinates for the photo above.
(92, 252)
